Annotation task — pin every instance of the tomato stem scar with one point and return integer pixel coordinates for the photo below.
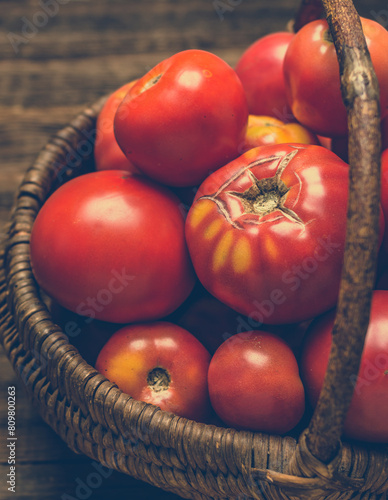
(158, 379)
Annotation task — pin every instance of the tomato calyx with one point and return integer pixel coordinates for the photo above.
(262, 198)
(158, 379)
(327, 36)
(151, 83)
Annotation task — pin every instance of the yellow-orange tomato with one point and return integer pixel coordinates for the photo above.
(266, 130)
(159, 363)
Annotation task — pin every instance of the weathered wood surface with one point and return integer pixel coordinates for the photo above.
(57, 56)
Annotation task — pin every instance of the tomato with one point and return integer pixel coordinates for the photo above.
(260, 69)
(212, 322)
(159, 363)
(254, 383)
(185, 118)
(110, 245)
(384, 197)
(266, 232)
(367, 417)
(266, 130)
(107, 153)
(325, 141)
(312, 78)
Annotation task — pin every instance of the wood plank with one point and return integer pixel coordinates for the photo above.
(150, 25)
(77, 480)
(122, 27)
(66, 85)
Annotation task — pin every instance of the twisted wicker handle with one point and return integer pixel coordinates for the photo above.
(361, 96)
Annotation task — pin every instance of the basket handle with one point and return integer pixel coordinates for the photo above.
(360, 92)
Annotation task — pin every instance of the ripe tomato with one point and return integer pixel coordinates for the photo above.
(107, 153)
(185, 118)
(260, 70)
(110, 245)
(384, 199)
(212, 322)
(254, 383)
(266, 130)
(367, 417)
(266, 232)
(159, 363)
(312, 78)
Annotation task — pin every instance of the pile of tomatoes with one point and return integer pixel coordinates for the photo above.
(198, 266)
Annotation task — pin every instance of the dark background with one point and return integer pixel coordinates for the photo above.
(56, 57)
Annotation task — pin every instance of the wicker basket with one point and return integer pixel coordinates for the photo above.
(95, 418)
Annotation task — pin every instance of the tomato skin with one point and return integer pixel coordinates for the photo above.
(254, 383)
(95, 250)
(212, 322)
(260, 69)
(135, 350)
(312, 78)
(266, 130)
(384, 200)
(275, 267)
(107, 153)
(185, 118)
(367, 417)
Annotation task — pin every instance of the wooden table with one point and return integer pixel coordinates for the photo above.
(57, 56)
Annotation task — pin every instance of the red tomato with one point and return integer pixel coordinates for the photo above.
(254, 383)
(325, 141)
(311, 72)
(266, 232)
(384, 197)
(107, 153)
(266, 130)
(159, 363)
(183, 119)
(110, 245)
(212, 322)
(367, 417)
(260, 69)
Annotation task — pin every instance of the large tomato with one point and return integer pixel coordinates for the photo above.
(266, 130)
(367, 417)
(311, 72)
(260, 69)
(107, 153)
(185, 118)
(254, 383)
(110, 245)
(266, 232)
(159, 363)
